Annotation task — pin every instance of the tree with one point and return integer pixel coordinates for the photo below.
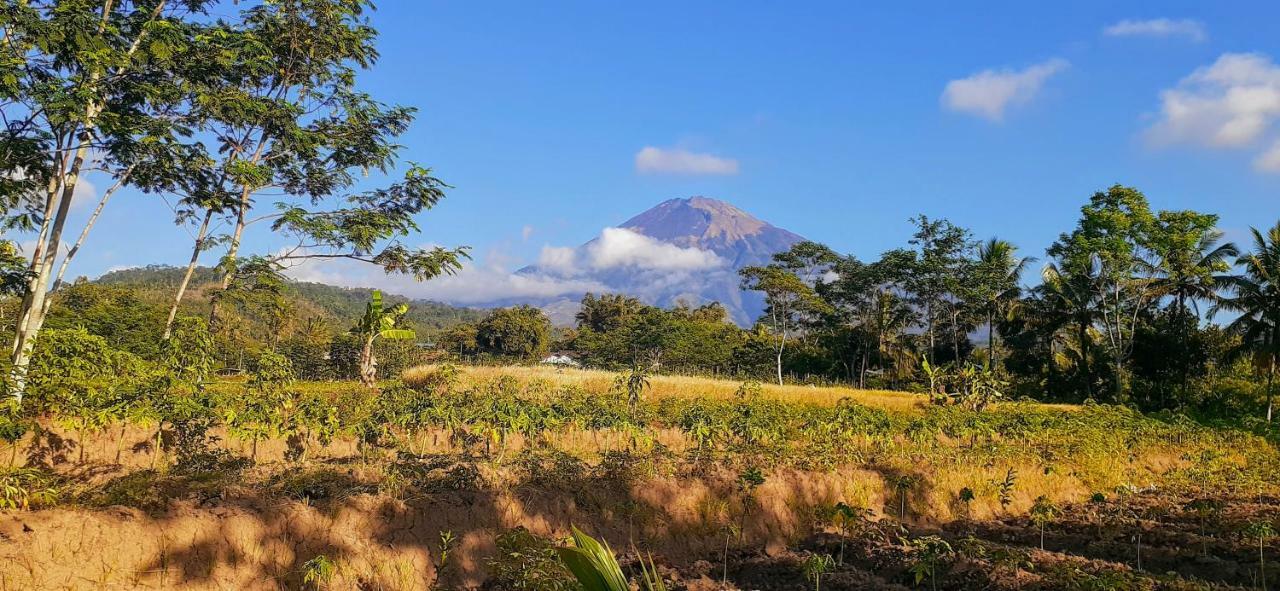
(378, 323)
(788, 300)
(1187, 267)
(940, 272)
(283, 63)
(522, 332)
(606, 312)
(1111, 245)
(1254, 294)
(998, 273)
(74, 79)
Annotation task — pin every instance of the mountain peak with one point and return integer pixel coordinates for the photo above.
(706, 223)
(738, 238)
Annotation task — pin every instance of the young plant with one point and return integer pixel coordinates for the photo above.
(1043, 512)
(748, 481)
(928, 553)
(1206, 509)
(816, 565)
(1261, 530)
(447, 542)
(634, 383)
(846, 518)
(967, 496)
(317, 572)
(903, 484)
(1005, 488)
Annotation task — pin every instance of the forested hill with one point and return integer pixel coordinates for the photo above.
(339, 303)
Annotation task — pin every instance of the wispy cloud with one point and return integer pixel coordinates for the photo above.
(989, 93)
(1268, 161)
(1233, 103)
(652, 160)
(1158, 27)
(618, 248)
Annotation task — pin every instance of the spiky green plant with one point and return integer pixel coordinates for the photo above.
(595, 567)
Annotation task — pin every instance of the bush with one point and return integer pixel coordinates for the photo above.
(528, 562)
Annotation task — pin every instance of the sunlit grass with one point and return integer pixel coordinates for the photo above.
(666, 386)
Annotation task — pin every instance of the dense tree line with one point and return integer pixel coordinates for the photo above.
(1123, 312)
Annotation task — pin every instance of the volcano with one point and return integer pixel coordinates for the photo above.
(681, 250)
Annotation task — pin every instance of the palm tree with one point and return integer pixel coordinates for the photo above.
(891, 317)
(1255, 295)
(1001, 271)
(1188, 268)
(1071, 296)
(378, 322)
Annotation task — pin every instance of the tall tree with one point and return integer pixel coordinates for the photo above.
(1188, 263)
(1254, 294)
(1111, 244)
(1070, 303)
(942, 268)
(997, 285)
(288, 117)
(788, 299)
(84, 87)
(521, 332)
(607, 312)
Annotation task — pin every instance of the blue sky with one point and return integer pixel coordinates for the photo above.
(832, 120)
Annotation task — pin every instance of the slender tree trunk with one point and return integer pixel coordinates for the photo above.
(34, 305)
(1271, 375)
(186, 277)
(1084, 358)
(46, 251)
(84, 233)
(368, 364)
(991, 342)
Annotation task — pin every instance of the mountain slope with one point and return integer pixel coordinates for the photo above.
(714, 225)
(681, 250)
(341, 305)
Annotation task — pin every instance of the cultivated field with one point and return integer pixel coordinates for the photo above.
(468, 477)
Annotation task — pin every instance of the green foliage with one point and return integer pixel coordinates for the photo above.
(929, 554)
(1004, 488)
(317, 572)
(520, 332)
(593, 564)
(816, 565)
(527, 562)
(27, 488)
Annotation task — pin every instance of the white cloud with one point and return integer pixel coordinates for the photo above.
(559, 259)
(1268, 161)
(474, 284)
(1233, 103)
(526, 232)
(620, 247)
(617, 248)
(989, 93)
(1158, 27)
(651, 160)
(85, 193)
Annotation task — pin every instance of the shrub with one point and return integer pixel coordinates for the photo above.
(528, 562)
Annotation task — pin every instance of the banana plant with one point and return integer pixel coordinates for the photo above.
(378, 322)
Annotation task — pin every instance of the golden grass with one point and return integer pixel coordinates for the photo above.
(665, 386)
